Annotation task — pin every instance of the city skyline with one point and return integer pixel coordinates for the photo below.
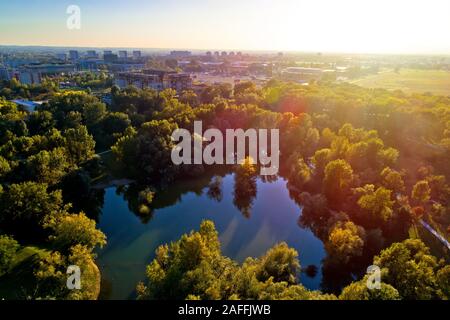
(289, 25)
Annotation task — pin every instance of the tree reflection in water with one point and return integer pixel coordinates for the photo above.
(215, 189)
(245, 187)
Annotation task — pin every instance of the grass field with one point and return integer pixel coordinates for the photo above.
(409, 81)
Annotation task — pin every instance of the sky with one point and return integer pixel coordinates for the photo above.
(352, 26)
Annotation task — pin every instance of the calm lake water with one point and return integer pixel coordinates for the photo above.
(132, 241)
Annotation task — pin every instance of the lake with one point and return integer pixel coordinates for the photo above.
(132, 240)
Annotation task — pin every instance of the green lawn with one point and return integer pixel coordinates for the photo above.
(409, 80)
(17, 283)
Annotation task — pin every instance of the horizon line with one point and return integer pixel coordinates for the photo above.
(235, 50)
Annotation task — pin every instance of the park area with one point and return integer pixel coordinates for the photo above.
(409, 80)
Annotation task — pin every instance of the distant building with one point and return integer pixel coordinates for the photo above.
(180, 53)
(122, 65)
(91, 64)
(4, 74)
(123, 54)
(223, 54)
(106, 52)
(154, 79)
(73, 55)
(137, 54)
(178, 81)
(33, 74)
(91, 54)
(301, 74)
(61, 56)
(110, 58)
(139, 80)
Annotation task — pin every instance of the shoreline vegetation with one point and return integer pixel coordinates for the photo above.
(362, 188)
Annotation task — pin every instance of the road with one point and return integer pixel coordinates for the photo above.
(436, 234)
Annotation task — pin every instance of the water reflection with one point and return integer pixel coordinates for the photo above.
(134, 236)
(215, 189)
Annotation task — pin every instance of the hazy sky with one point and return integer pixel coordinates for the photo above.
(391, 26)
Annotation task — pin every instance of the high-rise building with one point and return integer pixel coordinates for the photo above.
(123, 54)
(61, 56)
(33, 74)
(111, 58)
(4, 74)
(107, 52)
(91, 54)
(136, 54)
(73, 55)
(180, 53)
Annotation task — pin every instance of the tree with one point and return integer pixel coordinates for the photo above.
(26, 207)
(443, 279)
(346, 240)
(244, 88)
(51, 275)
(79, 145)
(146, 155)
(377, 203)
(5, 168)
(421, 192)
(409, 267)
(115, 122)
(392, 180)
(72, 229)
(359, 291)
(93, 113)
(279, 263)
(48, 166)
(320, 160)
(193, 268)
(8, 250)
(245, 188)
(189, 97)
(40, 122)
(300, 174)
(337, 181)
(192, 265)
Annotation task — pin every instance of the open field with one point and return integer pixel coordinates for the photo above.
(409, 80)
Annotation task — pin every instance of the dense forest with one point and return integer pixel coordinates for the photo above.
(366, 165)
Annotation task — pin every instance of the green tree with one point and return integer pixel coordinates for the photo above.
(5, 168)
(72, 229)
(392, 180)
(409, 267)
(279, 263)
(146, 155)
(359, 290)
(25, 208)
(346, 240)
(194, 268)
(48, 166)
(8, 250)
(79, 145)
(377, 203)
(245, 188)
(443, 279)
(337, 181)
(421, 192)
